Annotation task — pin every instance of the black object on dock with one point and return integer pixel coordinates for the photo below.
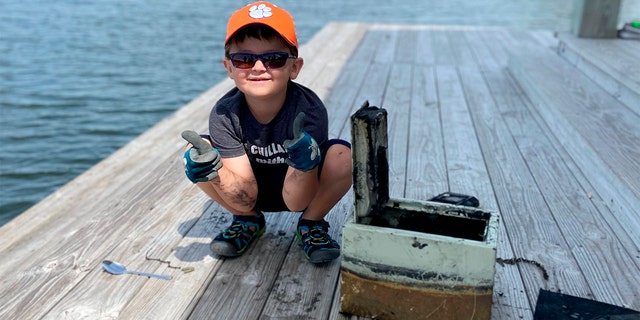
(558, 306)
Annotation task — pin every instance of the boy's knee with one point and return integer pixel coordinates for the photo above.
(339, 149)
(338, 160)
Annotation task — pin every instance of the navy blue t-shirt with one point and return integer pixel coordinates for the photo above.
(234, 130)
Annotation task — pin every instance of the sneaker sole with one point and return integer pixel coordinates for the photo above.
(225, 249)
(324, 256)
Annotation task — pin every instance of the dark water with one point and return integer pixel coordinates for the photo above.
(79, 79)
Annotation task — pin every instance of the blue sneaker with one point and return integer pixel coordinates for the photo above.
(317, 244)
(234, 240)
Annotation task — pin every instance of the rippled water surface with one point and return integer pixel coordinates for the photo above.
(79, 79)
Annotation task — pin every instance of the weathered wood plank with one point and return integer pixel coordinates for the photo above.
(516, 193)
(532, 231)
(426, 174)
(510, 299)
(241, 286)
(425, 51)
(605, 136)
(582, 224)
(443, 52)
(97, 292)
(467, 173)
(493, 43)
(345, 95)
(546, 38)
(354, 85)
(397, 101)
(407, 44)
(613, 64)
(304, 290)
(458, 135)
(462, 53)
(91, 240)
(389, 36)
(328, 53)
(176, 299)
(372, 88)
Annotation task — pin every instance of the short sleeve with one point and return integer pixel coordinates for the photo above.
(224, 125)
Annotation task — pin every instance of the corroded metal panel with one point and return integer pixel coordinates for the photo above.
(417, 258)
(387, 300)
(370, 166)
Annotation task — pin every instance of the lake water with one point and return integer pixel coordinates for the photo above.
(79, 79)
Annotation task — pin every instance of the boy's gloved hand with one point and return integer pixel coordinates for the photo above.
(201, 162)
(303, 150)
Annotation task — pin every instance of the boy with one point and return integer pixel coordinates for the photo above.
(270, 135)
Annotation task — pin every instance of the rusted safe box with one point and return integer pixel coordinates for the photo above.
(409, 259)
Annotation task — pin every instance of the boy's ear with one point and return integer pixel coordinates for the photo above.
(295, 69)
(227, 65)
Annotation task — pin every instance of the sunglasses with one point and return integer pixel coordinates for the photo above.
(271, 60)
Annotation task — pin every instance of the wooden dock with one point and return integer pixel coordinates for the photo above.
(543, 129)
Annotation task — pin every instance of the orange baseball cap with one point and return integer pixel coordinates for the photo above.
(266, 13)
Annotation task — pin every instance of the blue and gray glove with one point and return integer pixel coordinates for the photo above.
(202, 161)
(303, 150)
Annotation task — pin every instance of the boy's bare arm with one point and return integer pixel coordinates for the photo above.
(236, 183)
(232, 178)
